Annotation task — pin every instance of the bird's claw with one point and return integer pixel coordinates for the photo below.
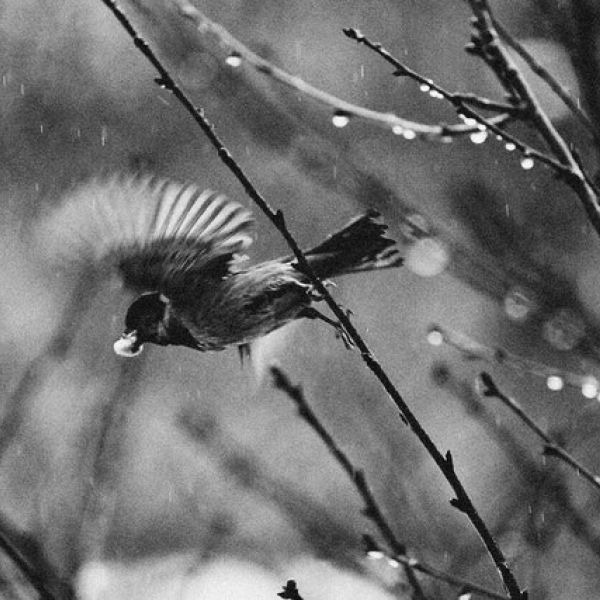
(341, 333)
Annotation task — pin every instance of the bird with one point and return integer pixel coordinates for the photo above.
(181, 249)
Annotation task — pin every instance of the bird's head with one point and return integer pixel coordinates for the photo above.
(150, 320)
(144, 322)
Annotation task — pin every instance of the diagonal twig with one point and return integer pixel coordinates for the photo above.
(551, 447)
(487, 45)
(548, 79)
(372, 510)
(445, 463)
(460, 102)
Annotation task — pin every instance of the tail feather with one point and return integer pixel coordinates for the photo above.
(360, 246)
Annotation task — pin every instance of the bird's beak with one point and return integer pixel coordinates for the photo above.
(128, 344)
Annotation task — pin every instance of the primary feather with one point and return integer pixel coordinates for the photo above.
(161, 235)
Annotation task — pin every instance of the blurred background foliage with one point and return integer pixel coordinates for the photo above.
(180, 475)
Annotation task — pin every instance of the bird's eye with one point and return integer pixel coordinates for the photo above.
(127, 346)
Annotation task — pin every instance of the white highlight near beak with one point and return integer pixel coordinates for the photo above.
(127, 345)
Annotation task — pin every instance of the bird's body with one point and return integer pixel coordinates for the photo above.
(245, 305)
(179, 248)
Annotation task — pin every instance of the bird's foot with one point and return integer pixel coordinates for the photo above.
(340, 332)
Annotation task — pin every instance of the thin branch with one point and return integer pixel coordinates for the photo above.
(358, 479)
(531, 472)
(25, 568)
(487, 45)
(387, 120)
(472, 349)
(551, 447)
(461, 104)
(445, 463)
(464, 585)
(548, 79)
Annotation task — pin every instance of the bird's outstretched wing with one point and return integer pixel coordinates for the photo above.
(160, 234)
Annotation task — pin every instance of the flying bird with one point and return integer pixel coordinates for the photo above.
(181, 249)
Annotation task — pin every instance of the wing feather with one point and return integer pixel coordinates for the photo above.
(160, 234)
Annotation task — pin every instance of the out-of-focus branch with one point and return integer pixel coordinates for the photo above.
(105, 457)
(57, 349)
(34, 578)
(472, 349)
(551, 447)
(388, 120)
(372, 510)
(445, 463)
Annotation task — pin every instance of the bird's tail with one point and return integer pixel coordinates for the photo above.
(359, 246)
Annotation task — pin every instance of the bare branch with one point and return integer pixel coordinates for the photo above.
(462, 501)
(372, 510)
(388, 120)
(551, 447)
(489, 47)
(548, 79)
(461, 103)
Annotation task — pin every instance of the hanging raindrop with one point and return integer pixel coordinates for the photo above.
(478, 137)
(527, 163)
(555, 383)
(340, 119)
(234, 59)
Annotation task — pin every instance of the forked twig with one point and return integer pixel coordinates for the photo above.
(487, 45)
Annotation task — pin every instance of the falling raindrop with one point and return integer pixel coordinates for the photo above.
(478, 137)
(22, 89)
(103, 135)
(234, 59)
(527, 163)
(340, 119)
